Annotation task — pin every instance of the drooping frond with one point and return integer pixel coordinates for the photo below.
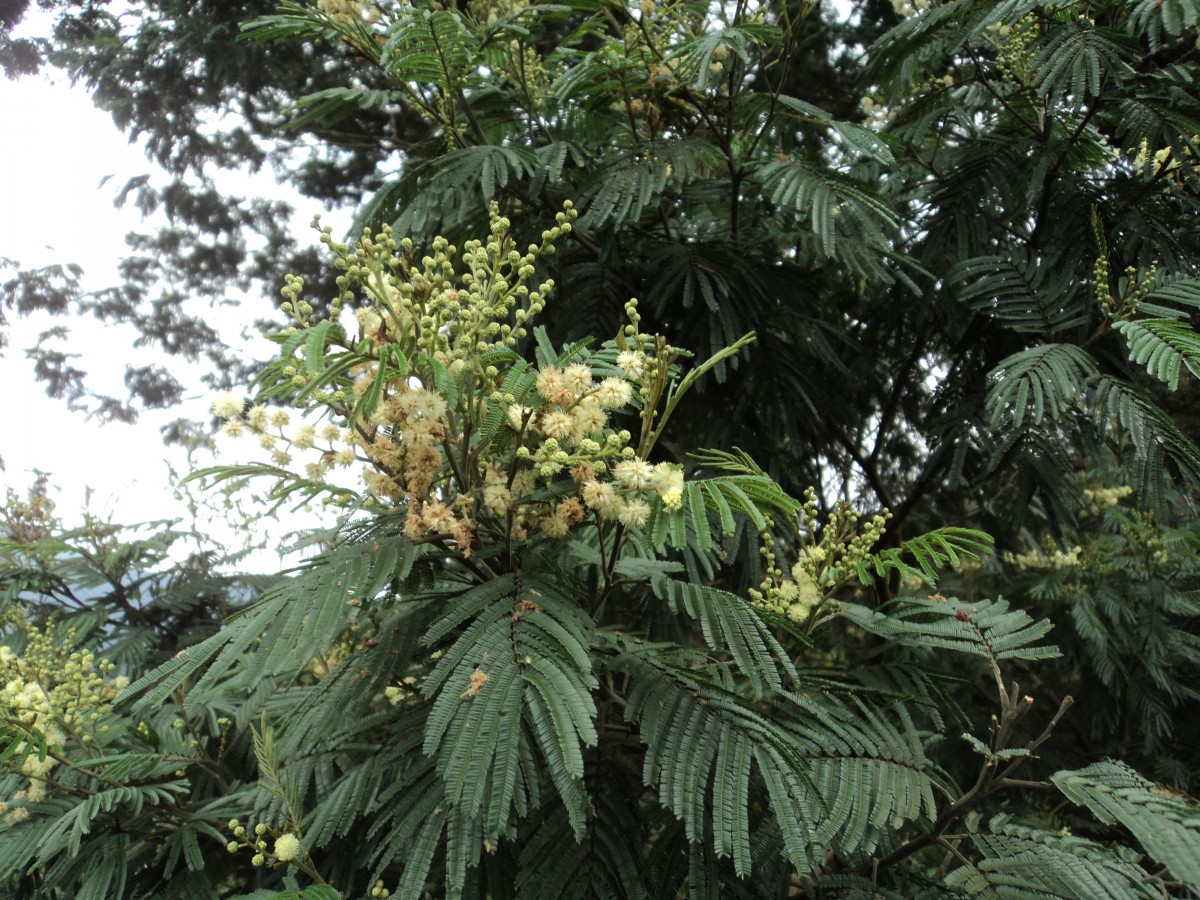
(867, 766)
(986, 628)
(332, 105)
(835, 773)
(694, 57)
(929, 554)
(702, 745)
(1032, 297)
(607, 862)
(1076, 57)
(852, 136)
(428, 46)
(1165, 823)
(632, 183)
(823, 199)
(290, 625)
(519, 674)
(754, 496)
(1163, 346)
(410, 817)
(461, 177)
(1156, 438)
(1017, 861)
(730, 624)
(1161, 20)
(293, 21)
(1172, 298)
(63, 835)
(1039, 384)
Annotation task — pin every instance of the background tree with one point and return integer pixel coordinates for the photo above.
(204, 102)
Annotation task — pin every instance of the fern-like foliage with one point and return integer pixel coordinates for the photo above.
(609, 861)
(1166, 825)
(930, 554)
(1158, 440)
(1040, 384)
(1020, 861)
(1163, 346)
(988, 628)
(833, 773)
(1028, 297)
(307, 612)
(547, 652)
(518, 677)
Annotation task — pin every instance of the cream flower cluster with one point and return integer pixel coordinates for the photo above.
(1164, 158)
(54, 692)
(443, 419)
(828, 556)
(25, 520)
(1047, 558)
(875, 112)
(349, 11)
(909, 8)
(1101, 498)
(491, 11)
(1012, 45)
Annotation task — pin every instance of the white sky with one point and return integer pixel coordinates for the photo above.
(53, 209)
(56, 206)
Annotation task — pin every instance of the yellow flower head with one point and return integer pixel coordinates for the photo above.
(287, 847)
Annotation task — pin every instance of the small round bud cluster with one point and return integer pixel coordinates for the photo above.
(489, 12)
(876, 112)
(1046, 557)
(61, 694)
(1012, 44)
(1146, 538)
(29, 519)
(828, 556)
(257, 841)
(49, 683)
(1098, 499)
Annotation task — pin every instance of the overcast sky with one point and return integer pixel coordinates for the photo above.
(54, 209)
(64, 162)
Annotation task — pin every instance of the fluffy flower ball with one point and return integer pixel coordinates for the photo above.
(614, 393)
(287, 847)
(228, 405)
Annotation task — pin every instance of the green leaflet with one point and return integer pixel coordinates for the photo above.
(987, 628)
(1166, 825)
(305, 613)
(836, 773)
(1024, 861)
(1163, 346)
(520, 671)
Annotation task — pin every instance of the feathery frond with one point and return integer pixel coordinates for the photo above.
(1166, 825)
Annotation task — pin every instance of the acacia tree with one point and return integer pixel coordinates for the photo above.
(907, 259)
(556, 647)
